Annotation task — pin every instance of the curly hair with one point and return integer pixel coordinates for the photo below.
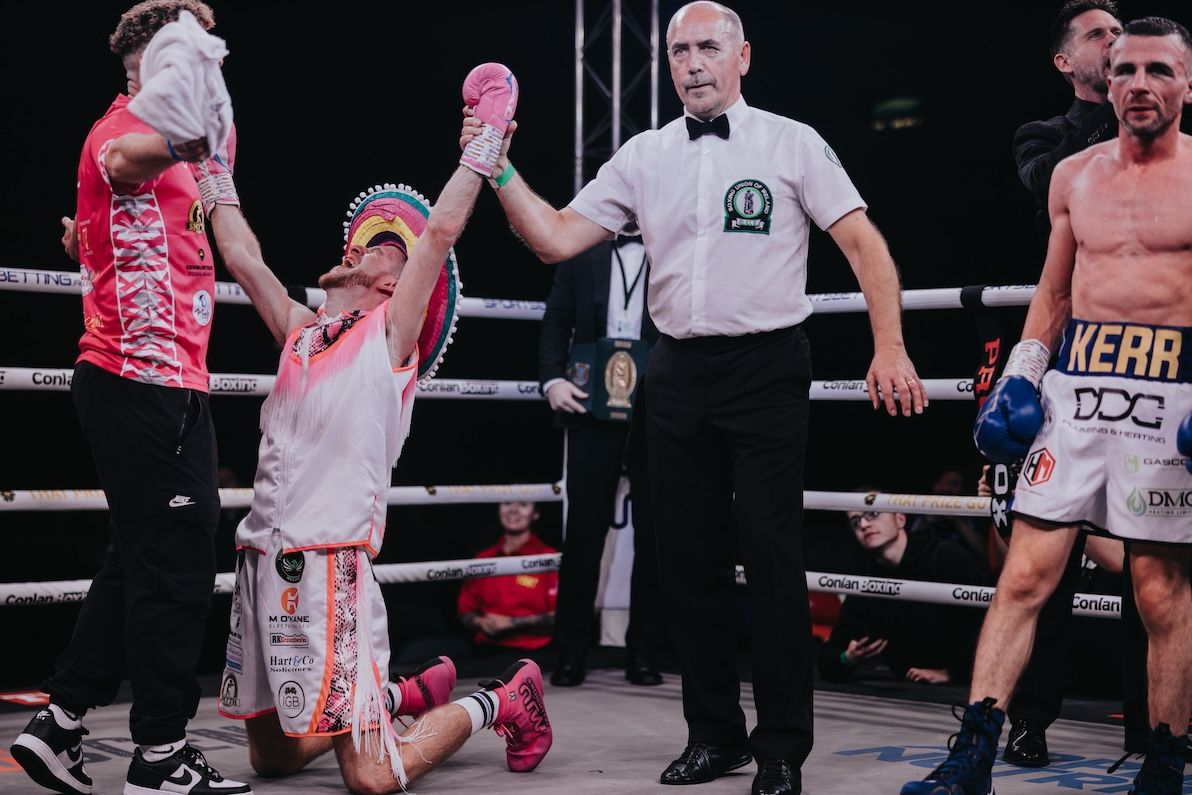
(139, 23)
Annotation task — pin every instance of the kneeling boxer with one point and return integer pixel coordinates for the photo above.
(307, 655)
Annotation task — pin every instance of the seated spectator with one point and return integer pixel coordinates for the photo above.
(517, 611)
(920, 642)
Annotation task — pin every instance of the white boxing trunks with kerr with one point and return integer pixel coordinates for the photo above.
(1106, 456)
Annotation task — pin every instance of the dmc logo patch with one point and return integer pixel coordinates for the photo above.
(290, 565)
(1039, 467)
(289, 601)
(748, 205)
(1136, 503)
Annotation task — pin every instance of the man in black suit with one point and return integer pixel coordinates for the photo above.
(600, 293)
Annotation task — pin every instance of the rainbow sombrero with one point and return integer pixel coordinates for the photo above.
(398, 211)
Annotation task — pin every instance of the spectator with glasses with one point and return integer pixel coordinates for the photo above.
(919, 642)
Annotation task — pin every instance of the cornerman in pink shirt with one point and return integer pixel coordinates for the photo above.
(140, 388)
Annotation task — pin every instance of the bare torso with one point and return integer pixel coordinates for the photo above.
(1133, 229)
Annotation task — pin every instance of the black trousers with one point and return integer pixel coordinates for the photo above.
(595, 452)
(726, 435)
(145, 614)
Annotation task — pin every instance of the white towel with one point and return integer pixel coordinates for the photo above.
(182, 94)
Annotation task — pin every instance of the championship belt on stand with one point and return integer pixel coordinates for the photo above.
(396, 214)
(609, 370)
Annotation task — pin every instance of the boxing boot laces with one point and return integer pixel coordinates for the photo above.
(429, 686)
(521, 715)
(1162, 771)
(971, 751)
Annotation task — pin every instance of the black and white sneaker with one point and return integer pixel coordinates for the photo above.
(53, 755)
(184, 771)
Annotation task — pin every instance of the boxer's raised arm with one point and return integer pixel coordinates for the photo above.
(407, 308)
(241, 252)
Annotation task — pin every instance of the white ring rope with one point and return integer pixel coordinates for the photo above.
(57, 379)
(95, 500)
(1097, 605)
(68, 282)
(935, 504)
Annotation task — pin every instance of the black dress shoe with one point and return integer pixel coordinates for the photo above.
(776, 777)
(641, 670)
(700, 763)
(570, 671)
(1027, 745)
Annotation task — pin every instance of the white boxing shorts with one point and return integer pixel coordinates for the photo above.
(1106, 456)
(297, 619)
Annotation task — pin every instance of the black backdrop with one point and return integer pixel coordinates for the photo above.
(347, 95)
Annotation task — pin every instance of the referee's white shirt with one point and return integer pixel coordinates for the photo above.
(719, 266)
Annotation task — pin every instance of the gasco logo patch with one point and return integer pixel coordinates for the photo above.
(748, 205)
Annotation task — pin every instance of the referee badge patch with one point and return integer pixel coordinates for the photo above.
(748, 205)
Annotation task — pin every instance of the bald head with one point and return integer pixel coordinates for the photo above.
(733, 29)
(708, 56)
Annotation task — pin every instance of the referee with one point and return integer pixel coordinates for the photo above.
(725, 197)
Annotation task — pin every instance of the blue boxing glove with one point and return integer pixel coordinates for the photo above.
(1012, 415)
(1183, 440)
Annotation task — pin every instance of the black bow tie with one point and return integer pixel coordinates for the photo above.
(718, 126)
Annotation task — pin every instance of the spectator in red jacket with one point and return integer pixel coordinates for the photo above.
(517, 611)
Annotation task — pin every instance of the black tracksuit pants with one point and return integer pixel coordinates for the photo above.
(145, 613)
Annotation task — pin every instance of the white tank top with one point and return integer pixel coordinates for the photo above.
(332, 430)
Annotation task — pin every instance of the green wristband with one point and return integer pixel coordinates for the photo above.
(505, 176)
(844, 660)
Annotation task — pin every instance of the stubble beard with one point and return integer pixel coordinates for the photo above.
(352, 278)
(1149, 132)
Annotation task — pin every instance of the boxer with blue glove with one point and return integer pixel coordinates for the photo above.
(1101, 436)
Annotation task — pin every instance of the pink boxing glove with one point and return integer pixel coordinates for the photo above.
(491, 90)
(214, 177)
